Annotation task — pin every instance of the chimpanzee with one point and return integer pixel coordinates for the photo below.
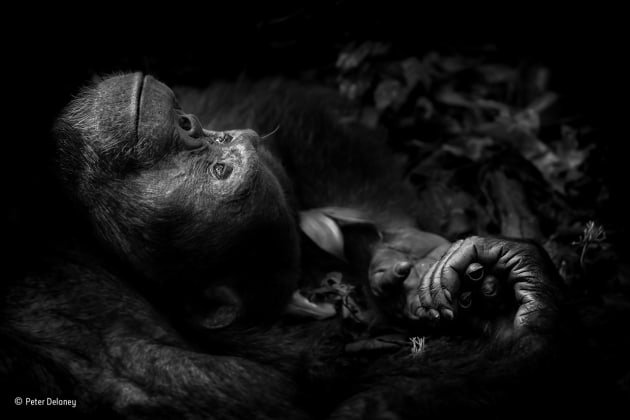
(186, 296)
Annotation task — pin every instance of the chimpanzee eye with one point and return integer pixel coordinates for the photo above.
(221, 170)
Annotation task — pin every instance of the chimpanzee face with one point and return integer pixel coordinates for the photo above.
(169, 196)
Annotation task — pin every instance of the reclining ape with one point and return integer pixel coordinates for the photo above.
(177, 307)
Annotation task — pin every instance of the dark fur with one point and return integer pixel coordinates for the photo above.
(105, 326)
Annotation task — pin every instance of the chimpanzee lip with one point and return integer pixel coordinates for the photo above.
(139, 89)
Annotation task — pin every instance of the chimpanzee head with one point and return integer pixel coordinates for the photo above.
(189, 209)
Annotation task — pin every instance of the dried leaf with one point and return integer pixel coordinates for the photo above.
(301, 306)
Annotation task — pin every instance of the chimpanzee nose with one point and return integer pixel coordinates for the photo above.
(191, 125)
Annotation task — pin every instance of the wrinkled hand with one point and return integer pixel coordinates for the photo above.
(419, 276)
(397, 266)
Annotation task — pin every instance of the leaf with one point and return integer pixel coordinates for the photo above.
(496, 73)
(389, 93)
(415, 71)
(353, 56)
(346, 215)
(450, 97)
(301, 306)
(323, 230)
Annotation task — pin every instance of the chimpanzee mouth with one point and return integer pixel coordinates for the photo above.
(140, 82)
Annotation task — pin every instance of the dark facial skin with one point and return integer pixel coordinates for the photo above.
(177, 201)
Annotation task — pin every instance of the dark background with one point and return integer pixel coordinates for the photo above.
(49, 56)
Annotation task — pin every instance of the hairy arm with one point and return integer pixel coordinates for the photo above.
(84, 327)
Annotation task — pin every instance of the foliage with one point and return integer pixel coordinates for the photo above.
(491, 148)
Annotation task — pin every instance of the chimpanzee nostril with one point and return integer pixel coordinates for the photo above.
(185, 123)
(191, 125)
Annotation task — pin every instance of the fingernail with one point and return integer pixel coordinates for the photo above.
(402, 269)
(434, 314)
(475, 271)
(415, 307)
(448, 314)
(447, 294)
(465, 300)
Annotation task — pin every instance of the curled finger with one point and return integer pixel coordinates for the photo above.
(431, 293)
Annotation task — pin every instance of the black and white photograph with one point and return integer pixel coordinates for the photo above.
(334, 210)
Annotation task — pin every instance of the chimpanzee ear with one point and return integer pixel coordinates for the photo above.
(336, 229)
(220, 307)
